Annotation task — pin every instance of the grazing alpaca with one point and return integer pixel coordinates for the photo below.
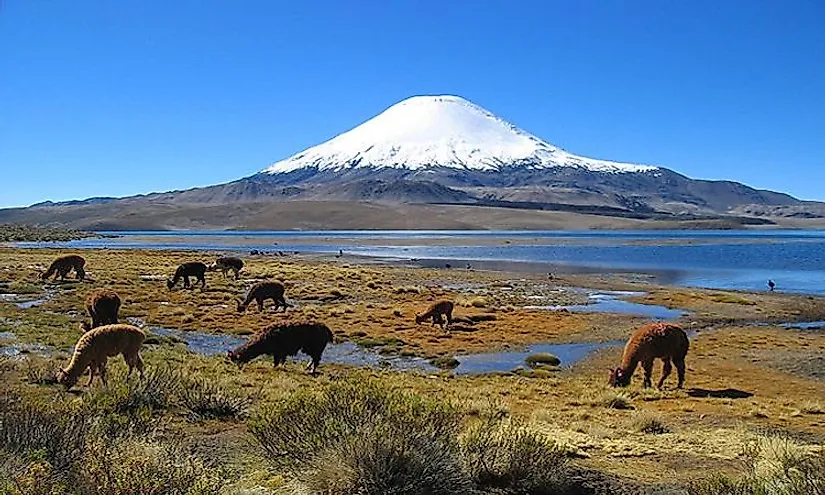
(61, 267)
(226, 263)
(280, 340)
(435, 311)
(103, 306)
(263, 291)
(664, 341)
(96, 346)
(186, 270)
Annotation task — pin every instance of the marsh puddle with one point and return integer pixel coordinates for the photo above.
(26, 301)
(805, 325)
(9, 348)
(347, 353)
(611, 302)
(351, 354)
(497, 362)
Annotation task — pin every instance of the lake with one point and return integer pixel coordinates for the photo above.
(794, 259)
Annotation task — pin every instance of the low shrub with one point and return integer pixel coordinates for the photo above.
(771, 466)
(649, 422)
(206, 399)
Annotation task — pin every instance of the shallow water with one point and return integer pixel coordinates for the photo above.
(610, 302)
(794, 259)
(569, 354)
(349, 353)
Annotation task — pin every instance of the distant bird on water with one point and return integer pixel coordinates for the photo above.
(771, 285)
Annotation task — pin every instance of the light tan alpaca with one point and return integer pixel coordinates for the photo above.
(97, 345)
(435, 311)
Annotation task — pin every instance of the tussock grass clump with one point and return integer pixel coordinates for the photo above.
(41, 371)
(43, 434)
(359, 437)
(649, 422)
(507, 458)
(812, 407)
(541, 359)
(206, 399)
(613, 399)
(132, 396)
(771, 466)
(445, 362)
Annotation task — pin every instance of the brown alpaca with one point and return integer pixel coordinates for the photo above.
(664, 341)
(97, 345)
(103, 306)
(280, 340)
(185, 270)
(61, 267)
(435, 311)
(263, 291)
(227, 263)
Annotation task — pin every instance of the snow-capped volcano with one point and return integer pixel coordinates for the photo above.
(446, 131)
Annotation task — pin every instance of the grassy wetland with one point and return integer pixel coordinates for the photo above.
(751, 418)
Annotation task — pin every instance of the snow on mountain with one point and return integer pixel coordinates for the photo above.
(447, 131)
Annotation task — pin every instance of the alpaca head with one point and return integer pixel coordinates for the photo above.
(170, 284)
(235, 357)
(618, 378)
(64, 378)
(420, 319)
(241, 307)
(212, 266)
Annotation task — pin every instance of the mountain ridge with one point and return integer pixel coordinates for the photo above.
(439, 150)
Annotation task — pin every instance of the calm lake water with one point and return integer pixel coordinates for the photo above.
(794, 259)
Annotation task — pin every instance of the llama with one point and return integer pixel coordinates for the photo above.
(103, 306)
(191, 269)
(227, 263)
(435, 311)
(61, 267)
(283, 339)
(664, 341)
(97, 345)
(263, 291)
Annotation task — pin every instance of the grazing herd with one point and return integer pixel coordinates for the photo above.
(105, 337)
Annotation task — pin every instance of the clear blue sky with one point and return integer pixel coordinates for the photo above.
(131, 96)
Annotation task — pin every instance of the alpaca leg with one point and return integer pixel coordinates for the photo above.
(665, 372)
(186, 282)
(648, 368)
(449, 318)
(680, 371)
(237, 274)
(101, 368)
(92, 368)
(260, 305)
(202, 278)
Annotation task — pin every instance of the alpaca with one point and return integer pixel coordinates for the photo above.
(191, 269)
(435, 311)
(103, 306)
(226, 263)
(664, 341)
(96, 346)
(61, 267)
(263, 291)
(283, 339)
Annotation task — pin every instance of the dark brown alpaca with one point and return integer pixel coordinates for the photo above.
(61, 267)
(263, 291)
(664, 341)
(435, 311)
(227, 263)
(103, 306)
(283, 339)
(185, 270)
